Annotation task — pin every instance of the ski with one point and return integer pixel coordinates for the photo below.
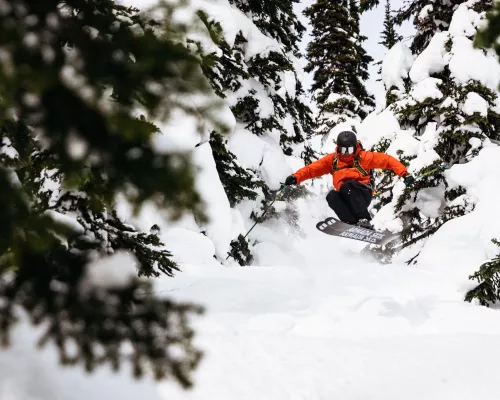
(334, 227)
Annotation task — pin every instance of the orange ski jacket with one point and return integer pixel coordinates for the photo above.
(344, 168)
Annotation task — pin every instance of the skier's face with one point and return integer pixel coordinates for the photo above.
(347, 154)
(345, 150)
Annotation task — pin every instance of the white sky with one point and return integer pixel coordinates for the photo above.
(371, 26)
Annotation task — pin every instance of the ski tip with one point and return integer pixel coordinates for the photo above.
(322, 225)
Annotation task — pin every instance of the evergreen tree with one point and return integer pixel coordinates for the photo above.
(457, 118)
(265, 96)
(366, 5)
(238, 182)
(389, 35)
(338, 62)
(487, 292)
(74, 74)
(431, 18)
(488, 36)
(275, 71)
(428, 17)
(459, 137)
(276, 19)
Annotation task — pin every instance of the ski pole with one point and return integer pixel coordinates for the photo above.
(431, 172)
(278, 195)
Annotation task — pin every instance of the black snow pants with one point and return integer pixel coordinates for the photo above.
(351, 202)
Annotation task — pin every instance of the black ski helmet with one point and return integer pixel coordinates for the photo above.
(347, 139)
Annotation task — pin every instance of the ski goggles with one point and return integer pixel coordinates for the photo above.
(345, 150)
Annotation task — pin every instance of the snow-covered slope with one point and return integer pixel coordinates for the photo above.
(312, 319)
(322, 322)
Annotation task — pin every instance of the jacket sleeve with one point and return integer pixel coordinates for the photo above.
(385, 161)
(317, 168)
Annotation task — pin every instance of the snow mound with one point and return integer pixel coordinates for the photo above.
(432, 60)
(468, 63)
(396, 65)
(217, 209)
(66, 220)
(274, 168)
(461, 245)
(405, 143)
(377, 126)
(464, 21)
(116, 271)
(474, 103)
(428, 88)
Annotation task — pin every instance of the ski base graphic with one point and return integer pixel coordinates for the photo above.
(334, 227)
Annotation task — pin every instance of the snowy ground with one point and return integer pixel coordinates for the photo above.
(328, 324)
(314, 321)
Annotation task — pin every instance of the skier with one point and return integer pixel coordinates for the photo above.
(350, 166)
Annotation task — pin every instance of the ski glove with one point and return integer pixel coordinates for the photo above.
(409, 180)
(291, 180)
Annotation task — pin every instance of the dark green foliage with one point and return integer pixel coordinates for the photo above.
(416, 225)
(381, 146)
(458, 135)
(239, 183)
(454, 143)
(228, 71)
(391, 96)
(384, 179)
(289, 215)
(309, 155)
(234, 70)
(389, 38)
(389, 35)
(454, 140)
(437, 20)
(384, 182)
(382, 254)
(240, 251)
(52, 288)
(74, 75)
(338, 62)
(455, 125)
(452, 194)
(303, 126)
(46, 99)
(276, 19)
(111, 234)
(487, 292)
(268, 71)
(488, 36)
(366, 5)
